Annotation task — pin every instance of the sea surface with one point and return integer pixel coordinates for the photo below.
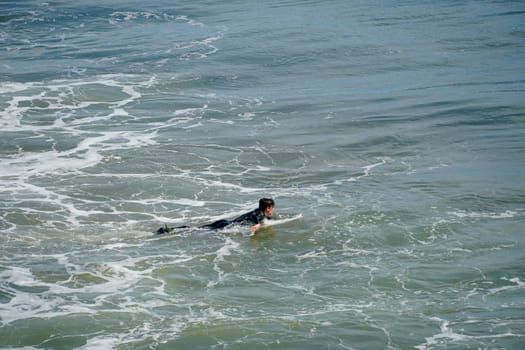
(396, 128)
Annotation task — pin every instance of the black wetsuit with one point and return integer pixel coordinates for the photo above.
(251, 218)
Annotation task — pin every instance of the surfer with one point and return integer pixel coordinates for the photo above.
(253, 218)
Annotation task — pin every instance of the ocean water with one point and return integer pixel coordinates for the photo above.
(396, 128)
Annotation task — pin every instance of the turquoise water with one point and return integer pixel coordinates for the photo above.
(394, 127)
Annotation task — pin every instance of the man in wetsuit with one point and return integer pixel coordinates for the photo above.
(253, 218)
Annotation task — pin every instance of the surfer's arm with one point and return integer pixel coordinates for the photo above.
(255, 227)
(259, 224)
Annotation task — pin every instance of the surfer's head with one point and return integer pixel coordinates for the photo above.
(266, 205)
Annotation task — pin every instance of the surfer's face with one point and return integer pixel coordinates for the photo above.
(268, 211)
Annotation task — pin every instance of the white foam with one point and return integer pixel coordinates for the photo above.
(102, 342)
(311, 255)
(191, 111)
(183, 201)
(484, 215)
(12, 87)
(110, 279)
(127, 16)
(24, 304)
(449, 335)
(86, 154)
(59, 97)
(121, 245)
(366, 172)
(518, 284)
(226, 250)
(19, 276)
(61, 100)
(246, 115)
(190, 21)
(198, 48)
(229, 246)
(367, 168)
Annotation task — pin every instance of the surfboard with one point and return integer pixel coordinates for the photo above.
(280, 221)
(270, 223)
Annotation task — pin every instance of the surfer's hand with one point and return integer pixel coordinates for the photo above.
(255, 228)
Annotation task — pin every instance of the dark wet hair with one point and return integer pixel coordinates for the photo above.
(265, 203)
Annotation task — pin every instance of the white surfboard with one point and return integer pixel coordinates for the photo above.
(273, 222)
(280, 221)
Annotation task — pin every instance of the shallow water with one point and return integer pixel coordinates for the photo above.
(395, 128)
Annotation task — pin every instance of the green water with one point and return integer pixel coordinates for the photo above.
(395, 129)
